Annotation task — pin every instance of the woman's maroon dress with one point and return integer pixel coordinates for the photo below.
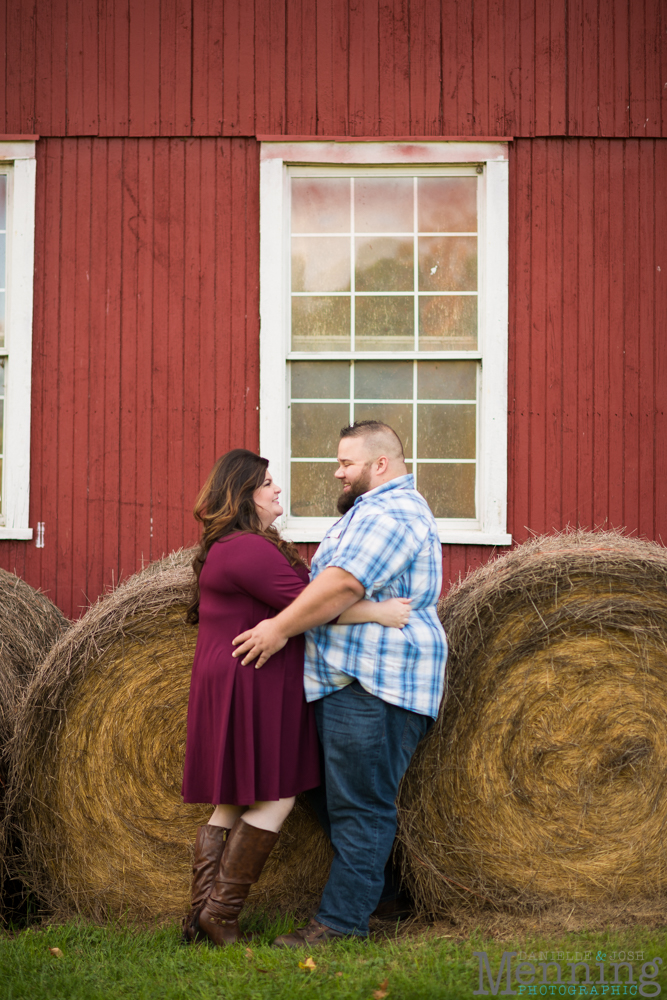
(251, 734)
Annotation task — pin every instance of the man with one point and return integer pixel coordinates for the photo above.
(376, 690)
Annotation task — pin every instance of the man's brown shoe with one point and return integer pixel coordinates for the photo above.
(311, 936)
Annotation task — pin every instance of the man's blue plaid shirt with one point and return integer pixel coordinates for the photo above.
(389, 542)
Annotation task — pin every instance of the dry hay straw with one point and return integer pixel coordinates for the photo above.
(543, 781)
(29, 626)
(99, 761)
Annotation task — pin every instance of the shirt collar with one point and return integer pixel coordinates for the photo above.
(400, 483)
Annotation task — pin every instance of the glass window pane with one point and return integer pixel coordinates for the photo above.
(321, 323)
(384, 323)
(320, 379)
(397, 415)
(3, 201)
(383, 380)
(314, 490)
(446, 431)
(3, 362)
(448, 263)
(2, 319)
(449, 490)
(447, 204)
(447, 379)
(384, 264)
(2, 421)
(320, 205)
(320, 264)
(3, 239)
(383, 205)
(316, 428)
(448, 322)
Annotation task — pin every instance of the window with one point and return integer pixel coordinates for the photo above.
(17, 231)
(384, 296)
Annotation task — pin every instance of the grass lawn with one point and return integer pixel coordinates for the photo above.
(119, 961)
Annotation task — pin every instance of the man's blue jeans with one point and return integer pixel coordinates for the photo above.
(367, 745)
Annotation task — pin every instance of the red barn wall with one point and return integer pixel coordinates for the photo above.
(334, 67)
(147, 331)
(146, 322)
(145, 364)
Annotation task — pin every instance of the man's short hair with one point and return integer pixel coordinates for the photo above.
(373, 428)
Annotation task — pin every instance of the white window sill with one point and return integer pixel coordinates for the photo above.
(21, 534)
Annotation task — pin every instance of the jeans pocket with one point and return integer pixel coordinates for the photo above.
(416, 727)
(356, 688)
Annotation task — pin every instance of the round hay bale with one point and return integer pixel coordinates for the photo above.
(99, 760)
(29, 626)
(545, 777)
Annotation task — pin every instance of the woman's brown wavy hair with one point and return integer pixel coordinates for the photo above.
(225, 504)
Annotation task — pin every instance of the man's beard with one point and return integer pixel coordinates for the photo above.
(346, 500)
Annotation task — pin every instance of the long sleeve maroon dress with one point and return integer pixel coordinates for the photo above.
(251, 735)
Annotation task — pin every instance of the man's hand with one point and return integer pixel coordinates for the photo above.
(262, 641)
(323, 600)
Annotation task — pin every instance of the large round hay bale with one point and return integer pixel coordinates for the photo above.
(29, 626)
(545, 777)
(99, 761)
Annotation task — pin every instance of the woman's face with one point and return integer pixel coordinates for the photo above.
(266, 501)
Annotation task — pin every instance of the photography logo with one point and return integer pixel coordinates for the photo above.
(561, 974)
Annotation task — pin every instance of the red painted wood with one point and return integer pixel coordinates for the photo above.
(170, 67)
(428, 107)
(589, 440)
(647, 388)
(660, 319)
(270, 70)
(144, 67)
(621, 95)
(207, 35)
(146, 344)
(331, 64)
(526, 68)
(480, 66)
(558, 338)
(617, 333)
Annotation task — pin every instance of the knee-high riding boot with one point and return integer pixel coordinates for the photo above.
(241, 864)
(209, 847)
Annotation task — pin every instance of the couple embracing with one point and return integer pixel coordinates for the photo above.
(337, 713)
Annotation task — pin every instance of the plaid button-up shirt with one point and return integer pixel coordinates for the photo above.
(389, 542)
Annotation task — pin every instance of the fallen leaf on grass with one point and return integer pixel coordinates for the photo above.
(308, 964)
(248, 953)
(339, 973)
(57, 952)
(382, 990)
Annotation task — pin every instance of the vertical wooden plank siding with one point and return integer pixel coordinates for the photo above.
(171, 67)
(145, 348)
(597, 349)
(146, 344)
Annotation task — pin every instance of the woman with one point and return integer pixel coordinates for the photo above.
(251, 743)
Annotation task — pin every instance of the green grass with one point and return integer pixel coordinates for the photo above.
(120, 961)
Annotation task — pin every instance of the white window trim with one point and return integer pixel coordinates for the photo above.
(275, 158)
(20, 256)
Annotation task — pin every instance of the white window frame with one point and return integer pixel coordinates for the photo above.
(490, 527)
(17, 158)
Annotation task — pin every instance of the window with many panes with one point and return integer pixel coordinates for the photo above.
(17, 231)
(377, 292)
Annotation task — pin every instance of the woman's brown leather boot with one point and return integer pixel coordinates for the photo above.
(209, 847)
(242, 861)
